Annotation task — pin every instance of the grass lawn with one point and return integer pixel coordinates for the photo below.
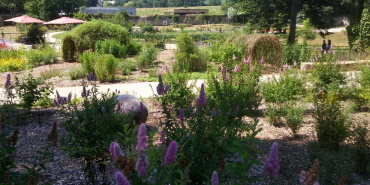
(59, 35)
(337, 39)
(213, 10)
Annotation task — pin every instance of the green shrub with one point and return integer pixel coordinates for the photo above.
(147, 56)
(126, 66)
(334, 165)
(327, 73)
(187, 55)
(76, 73)
(332, 126)
(222, 53)
(209, 132)
(308, 31)
(50, 73)
(290, 86)
(13, 64)
(234, 89)
(69, 49)
(84, 37)
(274, 114)
(90, 127)
(105, 68)
(111, 46)
(35, 33)
(361, 141)
(88, 60)
(42, 56)
(294, 116)
(30, 90)
(133, 48)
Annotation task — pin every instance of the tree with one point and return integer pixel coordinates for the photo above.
(214, 2)
(262, 13)
(50, 9)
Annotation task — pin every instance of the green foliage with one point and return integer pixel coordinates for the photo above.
(35, 34)
(222, 53)
(41, 56)
(147, 27)
(76, 73)
(105, 68)
(332, 126)
(126, 66)
(308, 31)
(13, 64)
(361, 141)
(210, 133)
(290, 86)
(84, 37)
(295, 52)
(88, 60)
(327, 74)
(111, 46)
(69, 49)
(90, 127)
(334, 165)
(47, 74)
(147, 56)
(179, 94)
(294, 116)
(235, 89)
(133, 48)
(48, 10)
(30, 90)
(187, 55)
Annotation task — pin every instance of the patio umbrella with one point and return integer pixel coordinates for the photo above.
(24, 19)
(65, 20)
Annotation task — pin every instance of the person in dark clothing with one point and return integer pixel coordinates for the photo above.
(323, 46)
(328, 46)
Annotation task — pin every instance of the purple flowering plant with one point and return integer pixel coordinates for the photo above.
(213, 116)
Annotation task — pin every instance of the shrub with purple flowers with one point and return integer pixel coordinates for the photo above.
(210, 128)
(90, 127)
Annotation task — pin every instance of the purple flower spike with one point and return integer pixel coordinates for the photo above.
(142, 138)
(115, 150)
(295, 63)
(245, 61)
(214, 179)
(8, 81)
(56, 103)
(171, 152)
(160, 86)
(142, 163)
(182, 115)
(121, 179)
(201, 100)
(69, 97)
(272, 163)
(262, 61)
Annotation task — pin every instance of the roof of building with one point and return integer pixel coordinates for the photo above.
(96, 10)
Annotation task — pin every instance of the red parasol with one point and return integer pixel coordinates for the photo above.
(24, 19)
(65, 20)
